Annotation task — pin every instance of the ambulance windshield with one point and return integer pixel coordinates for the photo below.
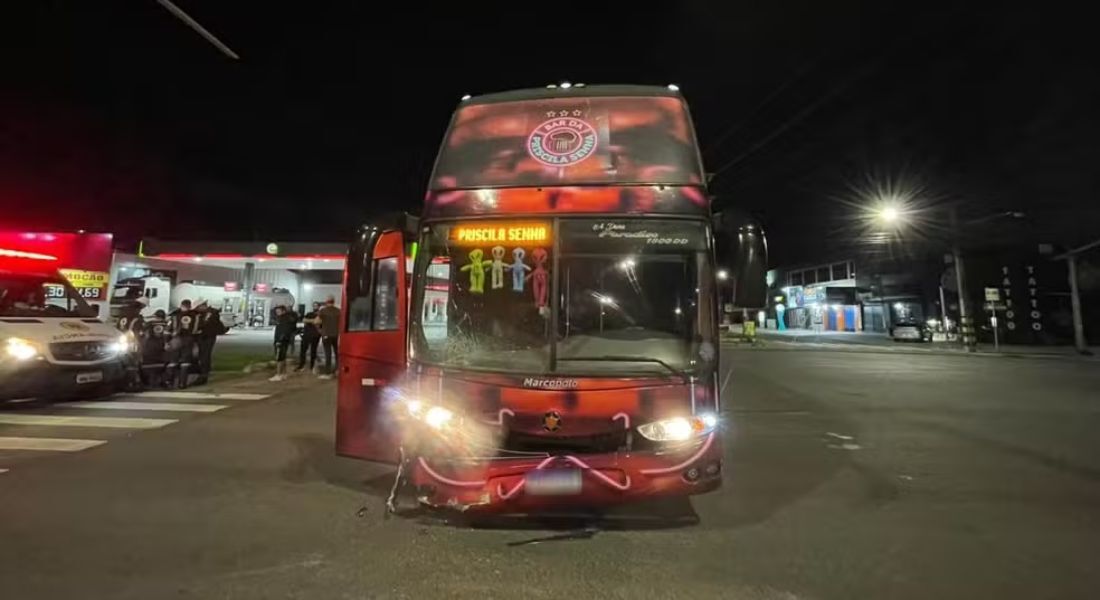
(39, 295)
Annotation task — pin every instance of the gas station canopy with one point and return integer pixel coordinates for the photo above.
(237, 255)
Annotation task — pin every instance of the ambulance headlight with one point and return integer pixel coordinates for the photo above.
(20, 349)
(123, 344)
(679, 429)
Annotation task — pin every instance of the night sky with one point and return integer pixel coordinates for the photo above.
(115, 116)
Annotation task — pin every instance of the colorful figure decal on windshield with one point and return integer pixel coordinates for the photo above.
(539, 277)
(477, 269)
(497, 270)
(518, 269)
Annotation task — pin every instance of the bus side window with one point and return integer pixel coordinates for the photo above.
(385, 294)
(437, 293)
(359, 294)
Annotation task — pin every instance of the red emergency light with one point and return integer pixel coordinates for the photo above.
(26, 262)
(84, 251)
(6, 253)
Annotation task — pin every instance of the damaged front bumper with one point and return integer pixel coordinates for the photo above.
(508, 484)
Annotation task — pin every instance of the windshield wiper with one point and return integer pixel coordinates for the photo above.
(621, 358)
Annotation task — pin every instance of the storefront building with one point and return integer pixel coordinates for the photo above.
(816, 298)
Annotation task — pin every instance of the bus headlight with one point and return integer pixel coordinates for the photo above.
(434, 416)
(438, 417)
(20, 349)
(678, 429)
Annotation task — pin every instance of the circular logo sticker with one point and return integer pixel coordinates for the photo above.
(551, 421)
(562, 142)
(74, 326)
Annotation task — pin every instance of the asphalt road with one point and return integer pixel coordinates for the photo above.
(847, 476)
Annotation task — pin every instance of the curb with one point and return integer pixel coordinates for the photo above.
(854, 349)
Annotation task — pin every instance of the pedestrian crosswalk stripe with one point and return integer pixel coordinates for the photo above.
(48, 444)
(199, 395)
(163, 406)
(118, 422)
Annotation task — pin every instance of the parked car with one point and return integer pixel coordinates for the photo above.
(910, 331)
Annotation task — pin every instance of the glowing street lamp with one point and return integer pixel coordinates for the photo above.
(889, 214)
(722, 274)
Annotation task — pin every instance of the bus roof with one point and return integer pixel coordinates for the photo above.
(600, 148)
(579, 90)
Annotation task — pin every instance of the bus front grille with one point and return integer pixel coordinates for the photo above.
(601, 443)
(81, 351)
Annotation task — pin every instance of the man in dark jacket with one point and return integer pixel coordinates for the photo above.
(311, 337)
(286, 327)
(330, 333)
(208, 326)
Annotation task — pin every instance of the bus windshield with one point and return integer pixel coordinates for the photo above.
(634, 296)
(40, 295)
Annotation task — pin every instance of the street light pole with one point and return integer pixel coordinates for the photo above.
(199, 29)
(891, 215)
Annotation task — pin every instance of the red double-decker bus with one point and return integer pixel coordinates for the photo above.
(545, 334)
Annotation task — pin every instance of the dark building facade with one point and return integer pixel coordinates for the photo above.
(868, 293)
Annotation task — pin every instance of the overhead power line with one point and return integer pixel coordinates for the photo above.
(741, 123)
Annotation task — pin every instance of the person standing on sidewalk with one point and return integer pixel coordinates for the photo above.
(286, 326)
(311, 337)
(329, 316)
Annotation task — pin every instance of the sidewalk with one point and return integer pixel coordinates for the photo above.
(257, 381)
(846, 341)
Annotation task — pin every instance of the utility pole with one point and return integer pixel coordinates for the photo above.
(1075, 296)
(943, 309)
(966, 324)
(1075, 301)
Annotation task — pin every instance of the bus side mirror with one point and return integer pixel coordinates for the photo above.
(741, 248)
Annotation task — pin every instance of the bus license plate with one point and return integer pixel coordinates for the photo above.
(553, 482)
(89, 377)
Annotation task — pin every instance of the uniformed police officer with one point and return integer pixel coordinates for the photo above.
(181, 348)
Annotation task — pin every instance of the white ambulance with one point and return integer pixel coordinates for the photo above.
(51, 341)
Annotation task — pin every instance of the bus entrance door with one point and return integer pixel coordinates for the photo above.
(372, 343)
